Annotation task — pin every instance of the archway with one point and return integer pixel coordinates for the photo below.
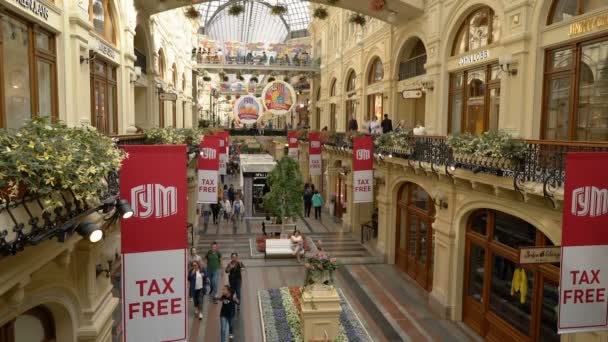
(333, 110)
(414, 245)
(412, 60)
(375, 100)
(350, 89)
(318, 110)
(503, 300)
(338, 197)
(141, 91)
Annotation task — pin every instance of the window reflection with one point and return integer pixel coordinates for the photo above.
(99, 16)
(476, 271)
(15, 61)
(549, 311)
(478, 30)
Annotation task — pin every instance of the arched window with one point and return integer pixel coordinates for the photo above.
(376, 74)
(565, 9)
(414, 234)
(161, 63)
(479, 29)
(174, 75)
(412, 60)
(100, 14)
(351, 82)
(332, 88)
(492, 245)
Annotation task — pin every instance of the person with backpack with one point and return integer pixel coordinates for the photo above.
(234, 270)
(239, 209)
(214, 262)
(317, 202)
(227, 313)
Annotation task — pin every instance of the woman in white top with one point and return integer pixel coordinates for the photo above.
(376, 127)
(196, 278)
(297, 244)
(227, 209)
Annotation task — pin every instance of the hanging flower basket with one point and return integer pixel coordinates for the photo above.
(253, 79)
(378, 4)
(332, 2)
(192, 13)
(236, 10)
(271, 79)
(320, 13)
(357, 19)
(278, 10)
(206, 78)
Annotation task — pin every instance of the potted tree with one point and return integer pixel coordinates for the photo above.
(284, 201)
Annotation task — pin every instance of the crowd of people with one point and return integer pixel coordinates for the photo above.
(239, 56)
(376, 127)
(205, 271)
(312, 199)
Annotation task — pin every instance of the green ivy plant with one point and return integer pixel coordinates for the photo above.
(173, 136)
(42, 158)
(393, 140)
(286, 189)
(494, 144)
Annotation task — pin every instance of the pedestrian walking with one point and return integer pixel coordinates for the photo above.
(238, 208)
(231, 194)
(317, 202)
(307, 199)
(227, 209)
(194, 257)
(214, 260)
(196, 279)
(235, 279)
(387, 125)
(215, 211)
(227, 313)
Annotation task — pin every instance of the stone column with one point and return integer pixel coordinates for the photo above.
(193, 213)
(384, 210)
(320, 313)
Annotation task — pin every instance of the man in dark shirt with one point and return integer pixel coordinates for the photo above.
(234, 269)
(352, 124)
(387, 124)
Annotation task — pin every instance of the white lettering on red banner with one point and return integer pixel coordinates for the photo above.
(314, 152)
(583, 304)
(208, 169)
(293, 145)
(363, 167)
(153, 244)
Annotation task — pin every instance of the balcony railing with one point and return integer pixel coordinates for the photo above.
(256, 61)
(412, 67)
(543, 162)
(241, 132)
(131, 139)
(141, 61)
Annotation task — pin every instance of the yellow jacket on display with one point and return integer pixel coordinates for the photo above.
(520, 284)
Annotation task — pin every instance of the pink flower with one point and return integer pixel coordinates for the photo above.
(320, 266)
(333, 259)
(307, 265)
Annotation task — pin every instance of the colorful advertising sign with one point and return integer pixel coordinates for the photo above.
(583, 304)
(278, 97)
(363, 169)
(153, 243)
(208, 166)
(314, 152)
(292, 141)
(247, 110)
(224, 138)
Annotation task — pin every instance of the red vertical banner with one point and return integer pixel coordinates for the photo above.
(208, 167)
(154, 243)
(314, 152)
(583, 304)
(223, 152)
(292, 141)
(363, 169)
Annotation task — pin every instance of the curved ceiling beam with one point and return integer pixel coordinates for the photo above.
(228, 4)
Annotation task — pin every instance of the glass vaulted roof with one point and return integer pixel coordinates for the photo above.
(256, 23)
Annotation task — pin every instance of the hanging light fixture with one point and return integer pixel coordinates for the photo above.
(90, 231)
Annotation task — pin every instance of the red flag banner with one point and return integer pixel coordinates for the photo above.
(363, 169)
(208, 166)
(314, 152)
(583, 296)
(154, 242)
(292, 138)
(223, 151)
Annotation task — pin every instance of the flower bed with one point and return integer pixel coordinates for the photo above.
(280, 309)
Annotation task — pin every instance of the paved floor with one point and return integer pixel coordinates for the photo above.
(391, 306)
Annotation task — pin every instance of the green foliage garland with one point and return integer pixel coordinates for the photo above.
(495, 144)
(173, 136)
(286, 190)
(392, 140)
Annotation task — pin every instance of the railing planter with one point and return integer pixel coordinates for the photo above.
(498, 163)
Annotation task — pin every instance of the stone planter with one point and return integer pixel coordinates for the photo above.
(320, 313)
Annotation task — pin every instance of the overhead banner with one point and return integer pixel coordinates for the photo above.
(208, 166)
(153, 244)
(278, 97)
(583, 304)
(292, 142)
(224, 137)
(363, 169)
(314, 152)
(247, 110)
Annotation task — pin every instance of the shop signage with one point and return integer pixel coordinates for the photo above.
(278, 97)
(260, 175)
(314, 152)
(588, 25)
(154, 294)
(539, 255)
(167, 96)
(583, 304)
(292, 138)
(35, 7)
(225, 137)
(247, 110)
(411, 94)
(105, 50)
(208, 169)
(363, 169)
(474, 57)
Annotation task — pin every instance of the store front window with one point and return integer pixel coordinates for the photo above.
(104, 97)
(351, 102)
(412, 61)
(504, 300)
(332, 107)
(576, 92)
(101, 16)
(479, 29)
(566, 9)
(375, 109)
(414, 238)
(28, 77)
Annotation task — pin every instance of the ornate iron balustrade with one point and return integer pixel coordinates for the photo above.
(26, 221)
(241, 132)
(131, 139)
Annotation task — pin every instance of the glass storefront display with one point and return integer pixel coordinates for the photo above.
(501, 297)
(103, 97)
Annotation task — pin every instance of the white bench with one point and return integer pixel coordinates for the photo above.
(279, 248)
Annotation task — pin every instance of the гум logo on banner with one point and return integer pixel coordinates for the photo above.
(363, 155)
(155, 200)
(208, 153)
(315, 144)
(589, 201)
(293, 140)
